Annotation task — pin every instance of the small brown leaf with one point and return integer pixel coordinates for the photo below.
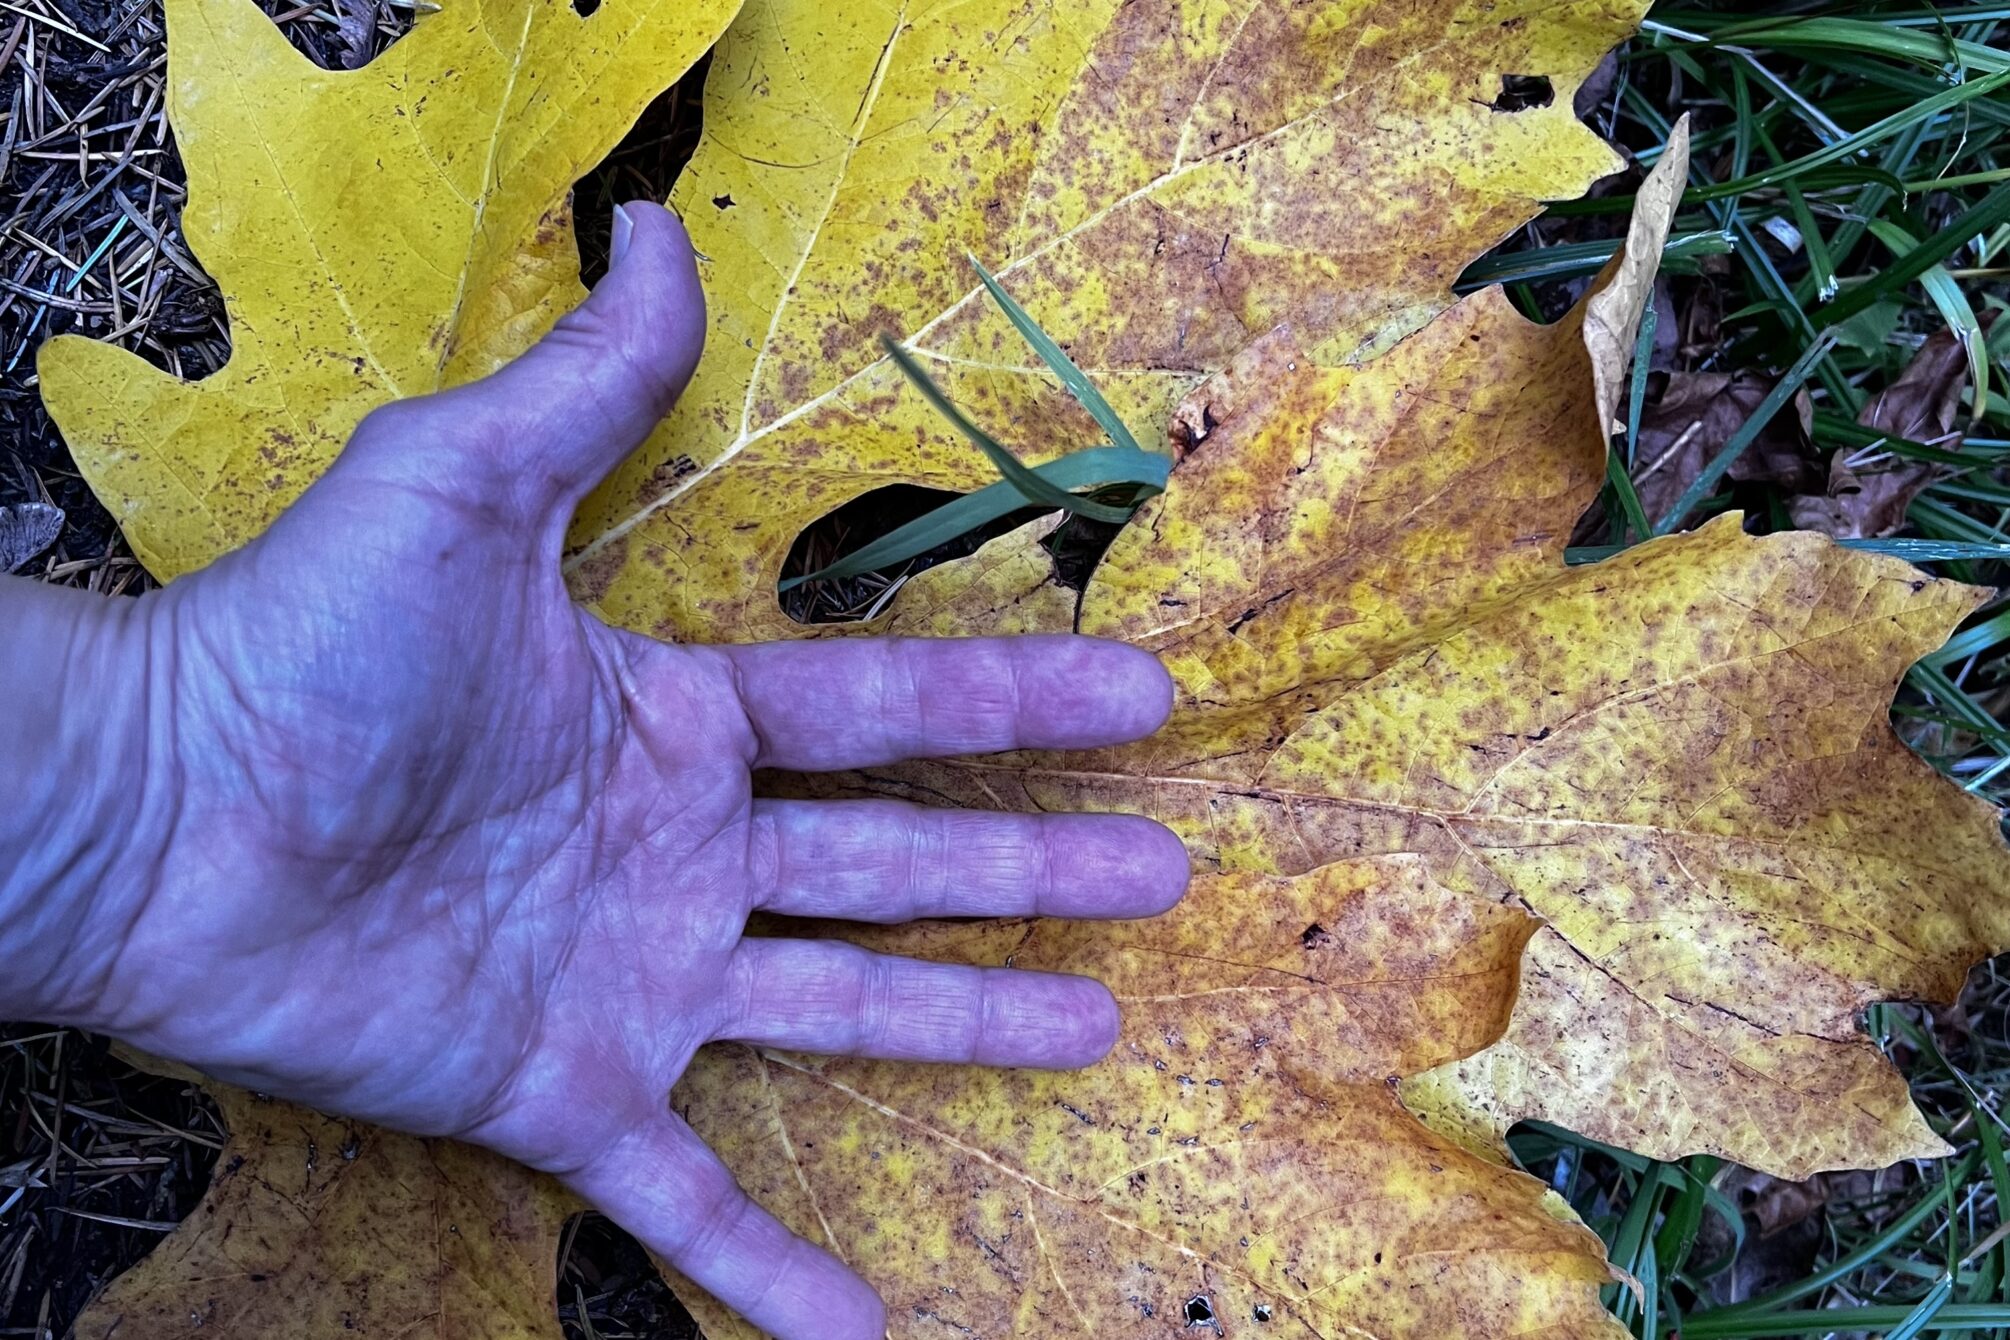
(356, 20)
(1867, 495)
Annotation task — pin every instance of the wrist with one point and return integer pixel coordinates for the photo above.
(86, 793)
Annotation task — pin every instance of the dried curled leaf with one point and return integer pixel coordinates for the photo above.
(376, 233)
(1156, 181)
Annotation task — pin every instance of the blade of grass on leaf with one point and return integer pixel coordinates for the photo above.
(959, 516)
(1035, 488)
(1571, 260)
(1058, 361)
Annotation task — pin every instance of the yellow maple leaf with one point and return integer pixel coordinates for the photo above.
(409, 230)
(1158, 181)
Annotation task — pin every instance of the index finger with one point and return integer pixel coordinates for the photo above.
(818, 706)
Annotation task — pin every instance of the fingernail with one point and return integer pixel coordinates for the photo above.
(624, 228)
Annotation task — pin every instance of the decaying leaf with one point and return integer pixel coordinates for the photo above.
(315, 1226)
(1867, 496)
(1240, 1159)
(410, 230)
(1156, 181)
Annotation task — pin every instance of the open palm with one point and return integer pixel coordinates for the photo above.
(442, 851)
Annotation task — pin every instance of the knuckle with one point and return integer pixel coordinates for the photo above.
(712, 1220)
(986, 1023)
(873, 1007)
(897, 691)
(1007, 859)
(778, 1267)
(765, 856)
(927, 858)
(739, 990)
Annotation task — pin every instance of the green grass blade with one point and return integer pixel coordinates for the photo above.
(1895, 1232)
(1872, 39)
(959, 516)
(1924, 110)
(1954, 308)
(1829, 1321)
(1057, 359)
(1573, 260)
(1833, 430)
(1929, 1307)
(1035, 488)
(1974, 642)
(1748, 432)
(1932, 551)
(1618, 468)
(1985, 215)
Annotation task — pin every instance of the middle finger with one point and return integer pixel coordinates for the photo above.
(832, 997)
(881, 860)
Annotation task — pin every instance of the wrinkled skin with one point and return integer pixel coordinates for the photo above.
(423, 842)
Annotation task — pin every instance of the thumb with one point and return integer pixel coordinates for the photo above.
(537, 435)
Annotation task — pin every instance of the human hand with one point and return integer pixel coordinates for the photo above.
(424, 843)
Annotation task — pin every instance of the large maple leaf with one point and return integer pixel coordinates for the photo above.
(1679, 759)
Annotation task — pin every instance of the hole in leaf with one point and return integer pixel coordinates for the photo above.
(585, 8)
(1262, 1312)
(361, 29)
(607, 1285)
(1077, 544)
(644, 166)
(1523, 92)
(1199, 1312)
(857, 524)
